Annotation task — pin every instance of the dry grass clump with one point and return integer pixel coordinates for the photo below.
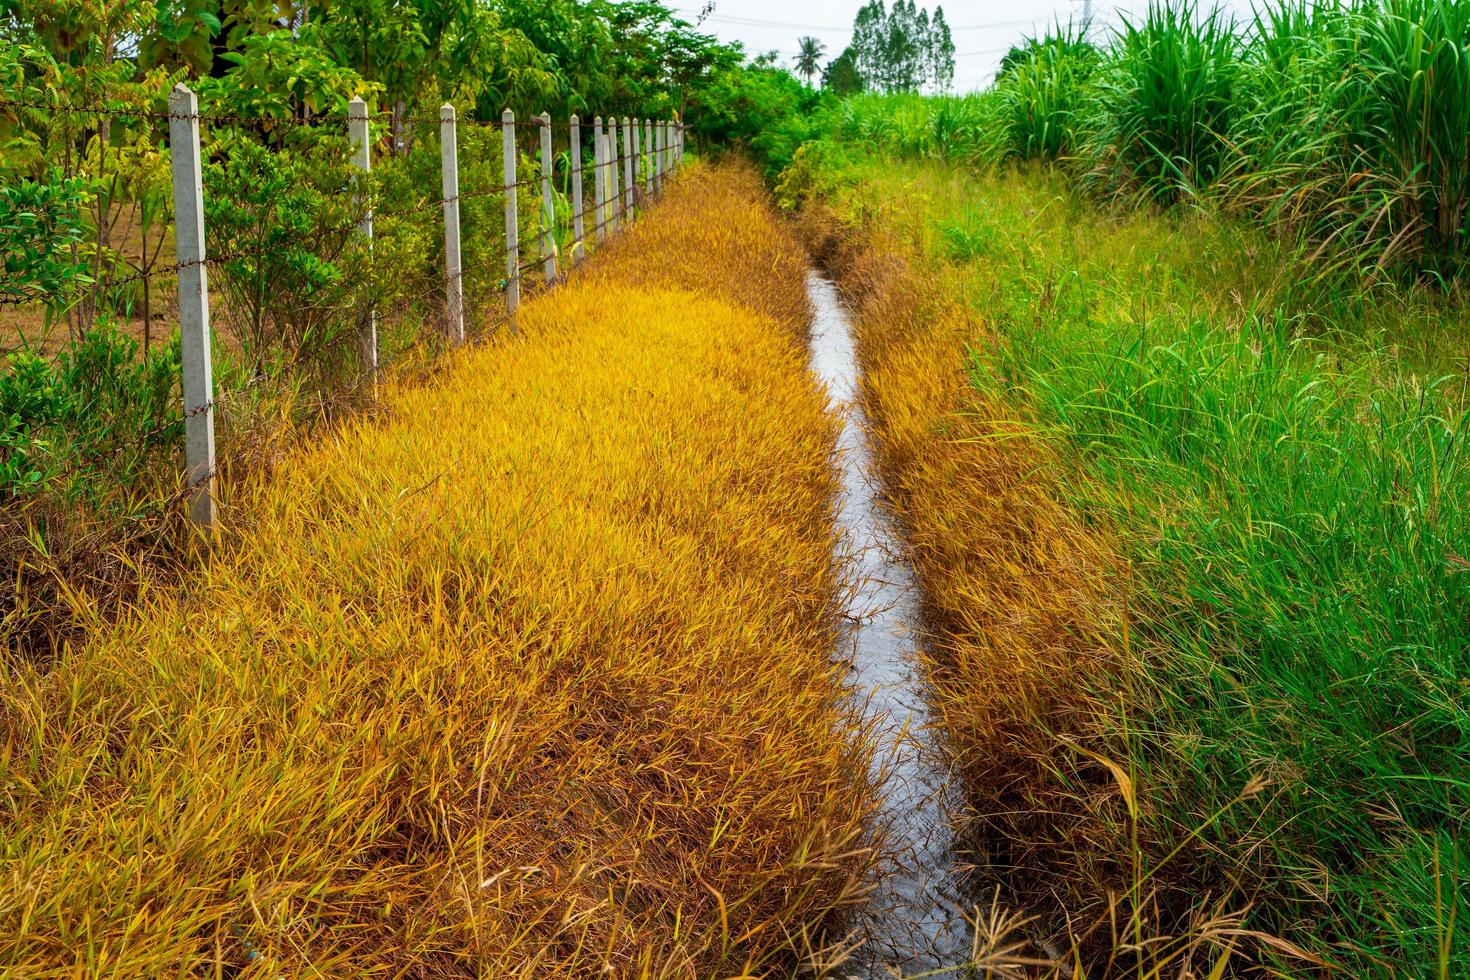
(526, 676)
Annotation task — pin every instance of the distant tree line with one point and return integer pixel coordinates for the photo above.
(894, 49)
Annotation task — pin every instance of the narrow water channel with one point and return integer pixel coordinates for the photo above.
(914, 923)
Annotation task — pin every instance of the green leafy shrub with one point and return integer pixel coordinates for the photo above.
(29, 402)
(88, 423)
(287, 220)
(283, 75)
(40, 223)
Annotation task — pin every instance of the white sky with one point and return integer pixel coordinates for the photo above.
(983, 29)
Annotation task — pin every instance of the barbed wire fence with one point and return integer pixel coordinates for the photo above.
(381, 247)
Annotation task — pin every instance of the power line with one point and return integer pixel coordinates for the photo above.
(737, 21)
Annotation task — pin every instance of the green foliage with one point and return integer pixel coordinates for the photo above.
(283, 217)
(1166, 102)
(434, 51)
(763, 106)
(185, 35)
(279, 75)
(89, 420)
(818, 168)
(29, 401)
(116, 397)
(841, 76)
(40, 224)
(1044, 94)
(902, 49)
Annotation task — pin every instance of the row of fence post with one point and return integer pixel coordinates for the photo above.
(662, 148)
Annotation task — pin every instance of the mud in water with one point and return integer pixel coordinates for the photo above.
(914, 923)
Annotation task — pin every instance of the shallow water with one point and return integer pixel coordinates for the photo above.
(913, 923)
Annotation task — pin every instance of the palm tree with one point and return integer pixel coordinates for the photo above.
(809, 57)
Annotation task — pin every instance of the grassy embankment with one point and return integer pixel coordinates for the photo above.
(526, 675)
(1193, 530)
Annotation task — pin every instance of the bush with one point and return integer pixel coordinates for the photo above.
(87, 424)
(40, 223)
(288, 223)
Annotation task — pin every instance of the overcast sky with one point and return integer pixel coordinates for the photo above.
(983, 29)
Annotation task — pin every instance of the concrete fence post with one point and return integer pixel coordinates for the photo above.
(548, 203)
(648, 157)
(512, 218)
(599, 175)
(578, 226)
(614, 194)
(198, 384)
(658, 156)
(357, 130)
(636, 147)
(453, 264)
(630, 154)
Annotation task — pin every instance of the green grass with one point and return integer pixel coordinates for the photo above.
(1286, 468)
(1343, 126)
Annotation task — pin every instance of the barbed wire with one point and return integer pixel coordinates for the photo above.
(168, 114)
(291, 121)
(321, 234)
(312, 237)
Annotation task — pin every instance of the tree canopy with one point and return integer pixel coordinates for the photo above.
(299, 57)
(841, 76)
(902, 48)
(809, 57)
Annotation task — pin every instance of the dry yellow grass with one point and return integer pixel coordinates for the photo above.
(527, 675)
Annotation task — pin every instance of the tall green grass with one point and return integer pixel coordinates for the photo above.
(1044, 95)
(1164, 102)
(1298, 530)
(1347, 126)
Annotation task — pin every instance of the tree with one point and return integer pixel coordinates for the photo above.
(941, 51)
(902, 49)
(842, 76)
(809, 57)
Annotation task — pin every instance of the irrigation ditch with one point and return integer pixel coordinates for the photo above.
(913, 924)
